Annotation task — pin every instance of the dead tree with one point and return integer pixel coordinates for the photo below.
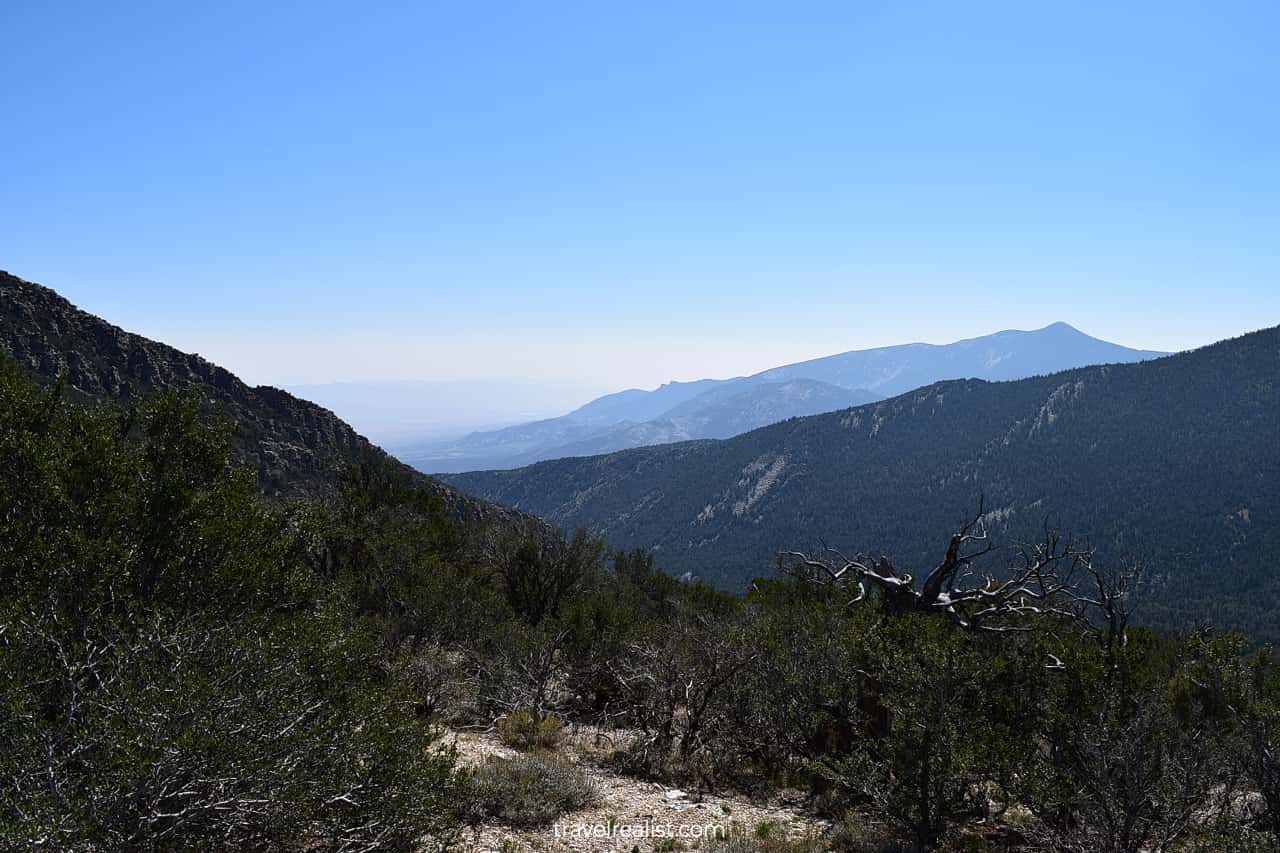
(1142, 763)
(675, 683)
(1039, 582)
(1111, 603)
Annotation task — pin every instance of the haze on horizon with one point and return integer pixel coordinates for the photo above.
(590, 198)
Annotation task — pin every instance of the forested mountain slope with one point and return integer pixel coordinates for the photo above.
(730, 411)
(721, 408)
(1173, 462)
(295, 447)
(737, 410)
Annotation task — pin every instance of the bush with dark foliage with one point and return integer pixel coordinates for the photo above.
(172, 674)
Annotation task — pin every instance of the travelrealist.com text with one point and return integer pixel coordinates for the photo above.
(647, 829)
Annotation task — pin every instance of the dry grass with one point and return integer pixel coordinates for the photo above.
(525, 730)
(526, 791)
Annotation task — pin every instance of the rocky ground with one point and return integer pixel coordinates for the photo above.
(630, 814)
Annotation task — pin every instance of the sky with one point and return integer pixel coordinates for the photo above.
(602, 195)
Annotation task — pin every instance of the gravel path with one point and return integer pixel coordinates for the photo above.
(631, 814)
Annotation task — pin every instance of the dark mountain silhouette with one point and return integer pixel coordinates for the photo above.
(729, 411)
(713, 408)
(1173, 462)
(296, 448)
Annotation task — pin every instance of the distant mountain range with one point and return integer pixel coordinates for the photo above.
(715, 408)
(296, 447)
(405, 413)
(1174, 462)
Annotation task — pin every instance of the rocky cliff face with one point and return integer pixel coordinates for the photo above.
(296, 447)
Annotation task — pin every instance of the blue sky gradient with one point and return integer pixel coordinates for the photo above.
(611, 194)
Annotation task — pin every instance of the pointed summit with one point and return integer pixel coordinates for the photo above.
(720, 408)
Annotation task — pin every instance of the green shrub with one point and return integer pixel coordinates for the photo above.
(172, 675)
(531, 790)
(540, 573)
(848, 836)
(855, 834)
(526, 730)
(768, 840)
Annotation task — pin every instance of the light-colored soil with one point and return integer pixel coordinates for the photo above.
(631, 814)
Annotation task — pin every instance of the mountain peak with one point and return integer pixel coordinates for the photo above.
(1077, 448)
(711, 408)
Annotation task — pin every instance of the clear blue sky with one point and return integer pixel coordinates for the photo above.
(625, 193)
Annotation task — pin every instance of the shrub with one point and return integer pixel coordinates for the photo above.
(851, 835)
(676, 679)
(172, 676)
(1136, 734)
(854, 833)
(531, 790)
(538, 573)
(530, 730)
(956, 721)
(765, 838)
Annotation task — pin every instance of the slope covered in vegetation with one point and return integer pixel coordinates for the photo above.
(184, 665)
(721, 408)
(174, 673)
(1170, 462)
(295, 448)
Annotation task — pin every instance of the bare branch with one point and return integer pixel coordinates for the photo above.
(1039, 582)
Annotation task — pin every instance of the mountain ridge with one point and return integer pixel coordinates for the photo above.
(295, 447)
(1169, 461)
(598, 426)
